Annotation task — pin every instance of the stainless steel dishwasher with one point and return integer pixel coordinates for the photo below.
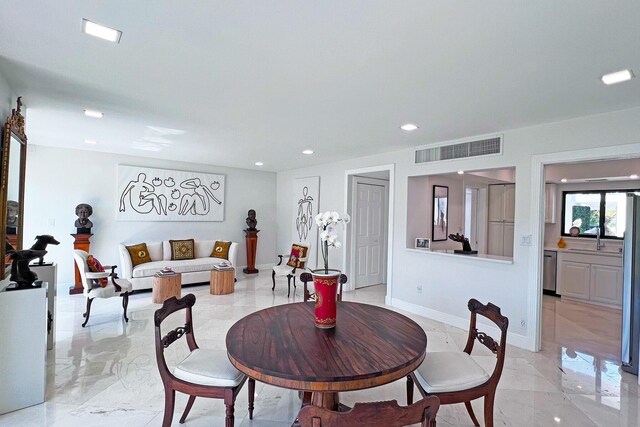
(549, 272)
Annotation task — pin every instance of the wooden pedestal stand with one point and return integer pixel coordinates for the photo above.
(81, 241)
(251, 237)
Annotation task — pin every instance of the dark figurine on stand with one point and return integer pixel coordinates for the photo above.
(251, 220)
(20, 272)
(83, 223)
(41, 244)
(466, 246)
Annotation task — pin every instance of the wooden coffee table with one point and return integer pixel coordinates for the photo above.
(165, 287)
(369, 346)
(222, 282)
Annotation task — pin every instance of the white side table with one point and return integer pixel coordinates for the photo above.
(49, 273)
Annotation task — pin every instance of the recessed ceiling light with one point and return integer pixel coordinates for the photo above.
(617, 77)
(259, 163)
(563, 180)
(93, 113)
(90, 141)
(100, 31)
(633, 176)
(557, 419)
(409, 127)
(307, 152)
(460, 172)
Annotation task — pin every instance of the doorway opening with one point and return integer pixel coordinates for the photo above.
(369, 198)
(584, 226)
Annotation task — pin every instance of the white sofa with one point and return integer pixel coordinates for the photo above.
(193, 270)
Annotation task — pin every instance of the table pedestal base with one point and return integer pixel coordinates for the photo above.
(328, 400)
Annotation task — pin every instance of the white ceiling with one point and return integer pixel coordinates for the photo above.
(250, 81)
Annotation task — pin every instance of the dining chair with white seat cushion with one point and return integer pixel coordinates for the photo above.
(204, 372)
(455, 377)
(294, 266)
(92, 289)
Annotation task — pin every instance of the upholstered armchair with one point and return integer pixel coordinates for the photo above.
(114, 286)
(293, 267)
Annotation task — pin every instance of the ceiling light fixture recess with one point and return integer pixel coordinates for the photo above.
(307, 152)
(93, 113)
(90, 141)
(633, 176)
(409, 127)
(100, 31)
(563, 180)
(460, 172)
(259, 164)
(617, 77)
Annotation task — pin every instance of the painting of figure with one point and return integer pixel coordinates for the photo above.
(147, 194)
(306, 197)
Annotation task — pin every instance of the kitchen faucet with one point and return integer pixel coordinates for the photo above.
(599, 243)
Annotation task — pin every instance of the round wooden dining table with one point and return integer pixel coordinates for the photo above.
(369, 346)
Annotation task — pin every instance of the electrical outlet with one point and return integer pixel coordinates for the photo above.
(523, 324)
(419, 289)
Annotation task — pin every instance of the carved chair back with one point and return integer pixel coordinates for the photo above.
(80, 257)
(377, 414)
(307, 277)
(169, 307)
(491, 312)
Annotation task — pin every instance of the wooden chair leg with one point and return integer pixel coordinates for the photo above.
(471, 414)
(252, 392)
(88, 312)
(294, 282)
(288, 286)
(409, 390)
(488, 409)
(125, 304)
(273, 278)
(187, 409)
(169, 402)
(229, 419)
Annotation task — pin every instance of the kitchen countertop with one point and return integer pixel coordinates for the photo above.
(610, 252)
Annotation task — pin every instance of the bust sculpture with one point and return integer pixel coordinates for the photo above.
(84, 211)
(12, 215)
(251, 220)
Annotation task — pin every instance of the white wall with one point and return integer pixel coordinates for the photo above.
(7, 100)
(58, 179)
(449, 282)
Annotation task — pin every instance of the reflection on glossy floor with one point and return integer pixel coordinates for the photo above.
(106, 375)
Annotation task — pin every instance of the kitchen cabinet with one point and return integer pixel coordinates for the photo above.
(590, 278)
(502, 203)
(550, 204)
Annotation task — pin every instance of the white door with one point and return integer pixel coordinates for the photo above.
(496, 203)
(509, 201)
(471, 216)
(369, 229)
(507, 248)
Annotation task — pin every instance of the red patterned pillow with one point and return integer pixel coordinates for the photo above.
(297, 252)
(96, 267)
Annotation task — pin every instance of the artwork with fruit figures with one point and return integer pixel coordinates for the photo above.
(146, 194)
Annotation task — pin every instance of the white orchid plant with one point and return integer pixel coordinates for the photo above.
(327, 223)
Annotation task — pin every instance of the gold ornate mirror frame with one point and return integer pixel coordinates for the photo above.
(14, 129)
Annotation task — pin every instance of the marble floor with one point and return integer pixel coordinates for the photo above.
(106, 375)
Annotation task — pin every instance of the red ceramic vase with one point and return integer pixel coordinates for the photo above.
(326, 287)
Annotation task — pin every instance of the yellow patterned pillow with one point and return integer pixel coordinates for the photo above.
(139, 254)
(182, 249)
(221, 250)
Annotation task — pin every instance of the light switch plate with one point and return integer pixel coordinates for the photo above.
(526, 240)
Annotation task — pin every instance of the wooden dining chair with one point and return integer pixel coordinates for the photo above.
(204, 372)
(455, 377)
(377, 414)
(294, 266)
(307, 277)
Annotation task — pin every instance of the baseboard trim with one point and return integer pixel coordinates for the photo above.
(517, 340)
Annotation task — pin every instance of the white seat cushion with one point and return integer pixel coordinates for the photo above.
(109, 290)
(208, 367)
(284, 269)
(446, 371)
(183, 266)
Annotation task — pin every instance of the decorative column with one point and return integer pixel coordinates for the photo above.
(251, 238)
(81, 241)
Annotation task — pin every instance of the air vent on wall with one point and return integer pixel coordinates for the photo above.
(460, 150)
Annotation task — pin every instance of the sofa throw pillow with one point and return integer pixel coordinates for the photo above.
(297, 252)
(182, 249)
(95, 267)
(221, 250)
(139, 254)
